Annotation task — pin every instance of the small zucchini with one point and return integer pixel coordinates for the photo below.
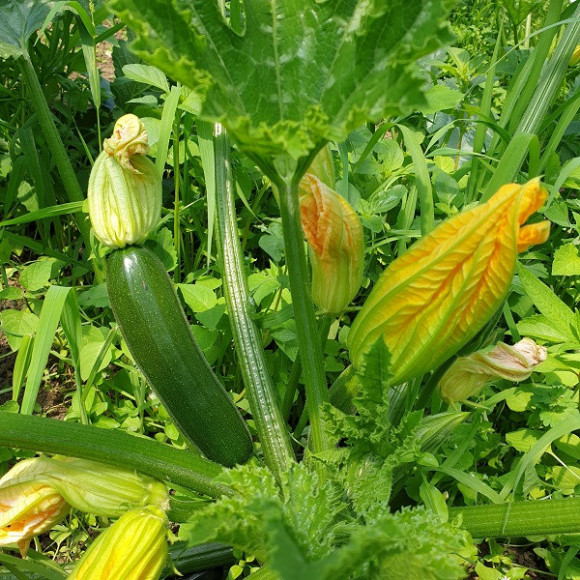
(158, 335)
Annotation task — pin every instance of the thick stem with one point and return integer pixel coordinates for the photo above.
(522, 518)
(308, 340)
(272, 430)
(55, 144)
(113, 447)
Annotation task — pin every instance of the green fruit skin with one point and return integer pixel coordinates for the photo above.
(158, 335)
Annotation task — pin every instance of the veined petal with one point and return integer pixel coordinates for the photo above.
(133, 548)
(129, 139)
(334, 234)
(533, 234)
(28, 510)
(432, 300)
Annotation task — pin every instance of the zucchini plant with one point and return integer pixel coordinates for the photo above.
(281, 79)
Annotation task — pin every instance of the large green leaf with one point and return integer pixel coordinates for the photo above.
(300, 72)
(19, 19)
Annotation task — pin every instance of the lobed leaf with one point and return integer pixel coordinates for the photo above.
(300, 72)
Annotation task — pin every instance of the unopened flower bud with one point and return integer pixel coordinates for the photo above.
(469, 374)
(335, 239)
(124, 190)
(133, 548)
(90, 486)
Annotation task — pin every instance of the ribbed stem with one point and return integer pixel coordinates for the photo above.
(308, 340)
(272, 429)
(523, 518)
(113, 447)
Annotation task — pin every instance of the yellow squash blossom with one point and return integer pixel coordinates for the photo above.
(27, 510)
(36, 494)
(90, 486)
(335, 239)
(469, 374)
(432, 300)
(133, 548)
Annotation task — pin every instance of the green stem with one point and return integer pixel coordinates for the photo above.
(54, 142)
(296, 373)
(272, 430)
(523, 518)
(308, 339)
(176, 206)
(113, 447)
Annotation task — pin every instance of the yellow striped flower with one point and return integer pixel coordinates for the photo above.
(133, 548)
(36, 494)
(434, 299)
(335, 239)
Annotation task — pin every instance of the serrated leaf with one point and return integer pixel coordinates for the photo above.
(439, 98)
(566, 478)
(301, 72)
(569, 444)
(566, 261)
(17, 323)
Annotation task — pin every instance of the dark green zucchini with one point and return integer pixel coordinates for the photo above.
(158, 335)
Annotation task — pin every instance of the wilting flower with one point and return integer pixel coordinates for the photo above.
(434, 299)
(469, 374)
(36, 493)
(124, 190)
(133, 548)
(27, 509)
(335, 239)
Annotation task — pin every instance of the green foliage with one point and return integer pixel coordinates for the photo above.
(452, 144)
(306, 528)
(298, 72)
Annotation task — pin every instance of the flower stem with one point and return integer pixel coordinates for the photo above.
(272, 430)
(308, 339)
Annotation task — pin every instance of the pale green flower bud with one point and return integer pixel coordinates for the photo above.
(469, 374)
(124, 190)
(90, 486)
(335, 239)
(133, 548)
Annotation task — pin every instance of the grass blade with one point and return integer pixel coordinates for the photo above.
(422, 180)
(47, 325)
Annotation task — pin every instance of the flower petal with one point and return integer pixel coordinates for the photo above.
(432, 300)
